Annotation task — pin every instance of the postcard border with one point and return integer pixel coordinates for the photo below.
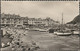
(36, 0)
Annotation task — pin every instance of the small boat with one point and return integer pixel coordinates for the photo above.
(34, 29)
(63, 34)
(63, 31)
(76, 32)
(43, 30)
(27, 28)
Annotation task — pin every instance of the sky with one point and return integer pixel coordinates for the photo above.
(42, 9)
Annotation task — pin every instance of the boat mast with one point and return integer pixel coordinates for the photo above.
(62, 23)
(62, 18)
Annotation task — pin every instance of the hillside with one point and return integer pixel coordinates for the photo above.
(75, 20)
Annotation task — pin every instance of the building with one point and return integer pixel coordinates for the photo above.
(36, 22)
(25, 20)
(50, 22)
(16, 20)
(11, 20)
(42, 22)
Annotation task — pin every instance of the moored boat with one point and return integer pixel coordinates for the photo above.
(27, 28)
(43, 30)
(34, 29)
(76, 32)
(63, 33)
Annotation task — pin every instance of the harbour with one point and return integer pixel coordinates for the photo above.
(48, 41)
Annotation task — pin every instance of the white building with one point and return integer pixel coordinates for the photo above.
(11, 20)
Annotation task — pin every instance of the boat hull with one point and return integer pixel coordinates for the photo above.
(63, 34)
(76, 33)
